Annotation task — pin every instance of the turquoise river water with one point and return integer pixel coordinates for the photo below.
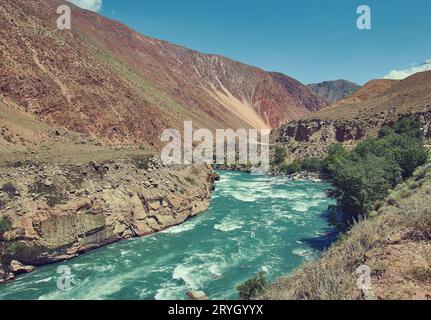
(255, 223)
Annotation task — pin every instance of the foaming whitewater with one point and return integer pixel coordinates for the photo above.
(255, 223)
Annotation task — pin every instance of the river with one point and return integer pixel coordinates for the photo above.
(254, 223)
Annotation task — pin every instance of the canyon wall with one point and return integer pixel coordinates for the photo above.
(312, 137)
(56, 212)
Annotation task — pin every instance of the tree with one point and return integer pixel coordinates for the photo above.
(409, 127)
(336, 153)
(365, 175)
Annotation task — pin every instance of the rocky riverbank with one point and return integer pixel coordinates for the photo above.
(53, 212)
(275, 171)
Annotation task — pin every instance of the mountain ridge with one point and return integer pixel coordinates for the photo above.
(371, 89)
(103, 79)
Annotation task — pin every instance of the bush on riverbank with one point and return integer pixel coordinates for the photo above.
(5, 225)
(279, 155)
(253, 287)
(365, 175)
(309, 165)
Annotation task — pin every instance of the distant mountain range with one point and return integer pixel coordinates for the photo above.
(333, 91)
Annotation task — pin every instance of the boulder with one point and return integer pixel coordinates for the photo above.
(18, 268)
(197, 295)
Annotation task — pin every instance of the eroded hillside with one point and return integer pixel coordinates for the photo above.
(106, 80)
(348, 124)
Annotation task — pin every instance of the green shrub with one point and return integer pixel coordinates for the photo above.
(312, 165)
(292, 168)
(5, 224)
(385, 131)
(253, 287)
(336, 153)
(279, 155)
(409, 127)
(364, 176)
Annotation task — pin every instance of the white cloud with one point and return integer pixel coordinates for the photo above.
(402, 74)
(93, 5)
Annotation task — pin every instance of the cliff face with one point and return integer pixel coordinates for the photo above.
(57, 212)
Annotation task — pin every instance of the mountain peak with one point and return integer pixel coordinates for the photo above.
(335, 90)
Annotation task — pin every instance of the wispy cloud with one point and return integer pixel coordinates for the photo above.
(402, 74)
(93, 5)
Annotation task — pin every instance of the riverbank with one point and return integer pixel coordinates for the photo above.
(394, 243)
(242, 233)
(276, 171)
(52, 212)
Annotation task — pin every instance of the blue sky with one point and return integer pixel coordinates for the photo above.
(311, 40)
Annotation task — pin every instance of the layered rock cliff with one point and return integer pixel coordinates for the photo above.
(54, 212)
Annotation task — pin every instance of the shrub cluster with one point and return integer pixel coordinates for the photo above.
(365, 175)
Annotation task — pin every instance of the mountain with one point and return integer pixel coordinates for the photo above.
(371, 89)
(103, 79)
(74, 107)
(348, 124)
(335, 90)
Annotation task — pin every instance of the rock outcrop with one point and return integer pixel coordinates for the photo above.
(57, 212)
(349, 124)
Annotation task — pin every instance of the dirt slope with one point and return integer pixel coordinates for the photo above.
(370, 90)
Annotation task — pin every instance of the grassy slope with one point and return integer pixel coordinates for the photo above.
(394, 242)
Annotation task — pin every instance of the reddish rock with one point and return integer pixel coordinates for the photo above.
(197, 295)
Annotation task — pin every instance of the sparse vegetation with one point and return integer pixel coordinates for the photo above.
(253, 287)
(9, 189)
(191, 180)
(279, 155)
(53, 194)
(5, 224)
(142, 161)
(291, 168)
(309, 165)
